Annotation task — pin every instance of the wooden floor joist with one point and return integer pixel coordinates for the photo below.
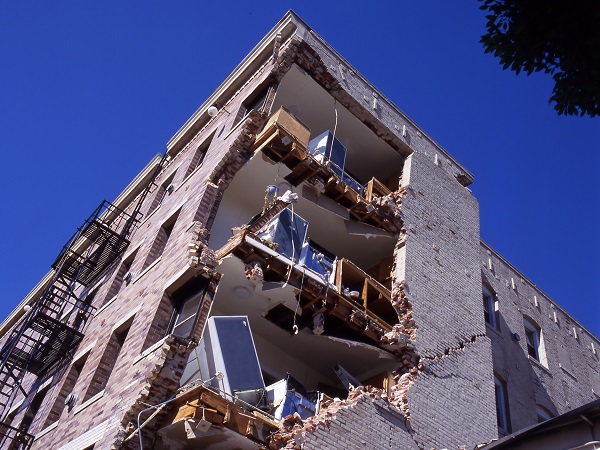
(204, 402)
(365, 307)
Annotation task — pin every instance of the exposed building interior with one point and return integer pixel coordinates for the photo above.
(305, 247)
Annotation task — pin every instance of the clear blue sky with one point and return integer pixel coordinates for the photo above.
(90, 91)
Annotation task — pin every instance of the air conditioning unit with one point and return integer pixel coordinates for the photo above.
(128, 277)
(227, 346)
(287, 231)
(71, 400)
(290, 397)
(328, 149)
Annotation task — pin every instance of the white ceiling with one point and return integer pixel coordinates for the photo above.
(367, 155)
(245, 197)
(319, 353)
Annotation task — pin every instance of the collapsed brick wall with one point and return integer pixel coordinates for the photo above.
(437, 285)
(169, 362)
(438, 265)
(363, 421)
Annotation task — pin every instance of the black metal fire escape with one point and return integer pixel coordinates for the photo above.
(54, 324)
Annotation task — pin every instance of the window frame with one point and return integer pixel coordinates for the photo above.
(490, 307)
(68, 387)
(533, 339)
(189, 315)
(161, 193)
(502, 408)
(542, 414)
(33, 409)
(186, 296)
(108, 361)
(255, 101)
(200, 154)
(161, 240)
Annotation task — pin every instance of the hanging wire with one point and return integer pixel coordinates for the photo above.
(295, 327)
(334, 131)
(289, 274)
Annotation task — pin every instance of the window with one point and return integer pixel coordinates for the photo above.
(159, 325)
(199, 155)
(117, 283)
(108, 360)
(532, 335)
(162, 191)
(187, 301)
(490, 307)
(255, 101)
(33, 409)
(542, 414)
(66, 389)
(501, 404)
(160, 242)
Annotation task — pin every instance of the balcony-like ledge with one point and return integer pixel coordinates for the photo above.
(46, 430)
(361, 308)
(88, 402)
(220, 419)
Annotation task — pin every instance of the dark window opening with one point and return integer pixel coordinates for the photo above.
(108, 361)
(199, 155)
(490, 307)
(123, 276)
(66, 389)
(159, 244)
(532, 335)
(32, 410)
(187, 302)
(501, 404)
(162, 191)
(255, 101)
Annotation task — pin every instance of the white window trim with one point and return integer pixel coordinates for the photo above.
(88, 402)
(120, 325)
(46, 430)
(530, 328)
(146, 270)
(501, 404)
(492, 306)
(81, 353)
(150, 350)
(106, 305)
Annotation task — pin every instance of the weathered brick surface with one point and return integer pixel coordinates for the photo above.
(450, 401)
(362, 423)
(439, 265)
(144, 294)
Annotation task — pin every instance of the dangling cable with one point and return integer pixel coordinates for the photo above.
(334, 131)
(295, 327)
(289, 274)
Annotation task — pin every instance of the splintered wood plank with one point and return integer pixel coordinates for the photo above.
(230, 246)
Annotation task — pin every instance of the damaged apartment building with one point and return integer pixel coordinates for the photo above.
(301, 269)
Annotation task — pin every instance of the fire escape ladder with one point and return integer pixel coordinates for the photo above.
(54, 324)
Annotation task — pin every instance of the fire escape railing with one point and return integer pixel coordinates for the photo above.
(54, 324)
